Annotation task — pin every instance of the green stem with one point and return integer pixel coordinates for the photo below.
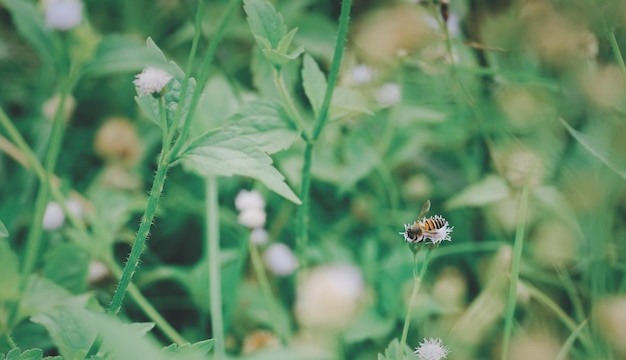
(515, 269)
(33, 242)
(212, 253)
(142, 235)
(202, 78)
(418, 277)
(610, 34)
(303, 214)
(257, 264)
(16, 137)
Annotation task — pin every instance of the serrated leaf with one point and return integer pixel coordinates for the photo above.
(265, 22)
(395, 351)
(314, 83)
(120, 54)
(30, 354)
(3, 230)
(490, 189)
(29, 23)
(599, 151)
(42, 295)
(267, 125)
(70, 333)
(199, 349)
(74, 329)
(9, 268)
(225, 152)
(67, 265)
(285, 43)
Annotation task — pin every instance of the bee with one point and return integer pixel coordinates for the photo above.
(425, 228)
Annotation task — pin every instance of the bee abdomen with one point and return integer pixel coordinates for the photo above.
(434, 223)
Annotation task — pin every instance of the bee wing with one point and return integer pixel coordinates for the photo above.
(425, 210)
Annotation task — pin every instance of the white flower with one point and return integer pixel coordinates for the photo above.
(249, 200)
(97, 272)
(151, 80)
(280, 260)
(362, 74)
(62, 14)
(389, 94)
(440, 234)
(432, 349)
(252, 218)
(54, 217)
(329, 296)
(259, 236)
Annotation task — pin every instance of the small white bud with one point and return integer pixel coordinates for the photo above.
(54, 217)
(97, 272)
(361, 74)
(280, 260)
(432, 349)
(389, 94)
(252, 218)
(62, 14)
(259, 236)
(249, 200)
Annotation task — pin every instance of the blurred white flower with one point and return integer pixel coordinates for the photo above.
(431, 349)
(97, 272)
(329, 296)
(280, 260)
(54, 217)
(75, 207)
(389, 94)
(62, 14)
(252, 218)
(249, 200)
(259, 236)
(361, 74)
(50, 107)
(151, 80)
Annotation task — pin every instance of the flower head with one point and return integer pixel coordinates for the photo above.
(151, 80)
(53, 217)
(361, 74)
(442, 232)
(62, 14)
(280, 259)
(389, 94)
(246, 200)
(259, 236)
(431, 349)
(252, 218)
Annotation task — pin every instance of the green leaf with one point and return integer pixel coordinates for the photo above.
(217, 103)
(285, 43)
(41, 295)
(29, 22)
(30, 354)
(369, 325)
(74, 329)
(225, 152)
(69, 331)
(267, 125)
(67, 265)
(3, 230)
(265, 23)
(490, 189)
(200, 348)
(9, 268)
(314, 83)
(599, 151)
(395, 351)
(121, 54)
(347, 102)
